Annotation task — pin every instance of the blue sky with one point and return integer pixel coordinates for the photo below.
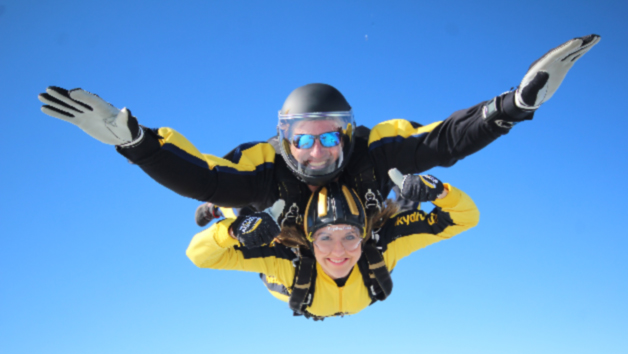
(92, 254)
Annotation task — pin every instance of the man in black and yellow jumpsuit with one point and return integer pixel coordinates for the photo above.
(257, 174)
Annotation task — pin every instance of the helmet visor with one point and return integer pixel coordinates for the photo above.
(316, 144)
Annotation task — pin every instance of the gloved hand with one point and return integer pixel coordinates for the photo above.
(205, 213)
(91, 113)
(258, 229)
(417, 188)
(546, 74)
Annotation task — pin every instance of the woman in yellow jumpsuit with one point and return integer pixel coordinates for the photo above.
(336, 231)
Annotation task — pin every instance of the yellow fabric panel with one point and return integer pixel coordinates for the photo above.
(461, 208)
(213, 248)
(322, 202)
(282, 297)
(349, 197)
(329, 299)
(398, 127)
(228, 213)
(462, 211)
(171, 136)
(250, 159)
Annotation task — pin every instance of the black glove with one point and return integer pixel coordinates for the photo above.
(258, 229)
(417, 188)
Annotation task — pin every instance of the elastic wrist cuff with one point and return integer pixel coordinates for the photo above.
(135, 141)
(451, 200)
(222, 237)
(510, 109)
(146, 147)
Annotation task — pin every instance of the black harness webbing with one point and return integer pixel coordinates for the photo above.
(375, 276)
(382, 286)
(361, 176)
(303, 283)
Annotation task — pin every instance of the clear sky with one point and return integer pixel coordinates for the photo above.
(92, 253)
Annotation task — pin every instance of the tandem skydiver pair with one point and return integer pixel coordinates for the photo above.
(318, 143)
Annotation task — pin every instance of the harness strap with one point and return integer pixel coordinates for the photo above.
(378, 271)
(302, 284)
(366, 184)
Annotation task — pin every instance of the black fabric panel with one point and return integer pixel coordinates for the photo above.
(460, 135)
(191, 177)
(509, 110)
(277, 251)
(414, 222)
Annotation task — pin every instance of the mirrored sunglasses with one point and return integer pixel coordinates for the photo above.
(306, 141)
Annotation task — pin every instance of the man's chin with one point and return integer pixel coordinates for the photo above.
(318, 166)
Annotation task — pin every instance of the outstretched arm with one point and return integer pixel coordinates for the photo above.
(166, 155)
(413, 148)
(170, 159)
(412, 230)
(214, 248)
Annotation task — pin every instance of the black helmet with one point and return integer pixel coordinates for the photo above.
(309, 112)
(331, 205)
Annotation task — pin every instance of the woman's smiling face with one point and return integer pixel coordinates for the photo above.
(337, 248)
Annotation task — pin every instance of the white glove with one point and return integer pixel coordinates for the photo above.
(94, 115)
(546, 74)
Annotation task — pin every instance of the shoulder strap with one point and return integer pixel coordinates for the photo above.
(360, 173)
(294, 192)
(303, 285)
(375, 275)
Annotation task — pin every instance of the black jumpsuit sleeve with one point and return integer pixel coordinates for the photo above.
(413, 148)
(244, 178)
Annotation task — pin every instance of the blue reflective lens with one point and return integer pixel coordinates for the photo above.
(306, 141)
(330, 139)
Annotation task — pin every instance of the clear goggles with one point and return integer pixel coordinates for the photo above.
(344, 120)
(298, 133)
(350, 241)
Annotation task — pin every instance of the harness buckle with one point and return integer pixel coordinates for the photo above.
(293, 213)
(375, 236)
(373, 290)
(371, 200)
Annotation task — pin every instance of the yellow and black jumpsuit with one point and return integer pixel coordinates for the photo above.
(402, 234)
(254, 174)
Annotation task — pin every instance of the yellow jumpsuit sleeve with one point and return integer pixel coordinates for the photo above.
(214, 248)
(413, 230)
